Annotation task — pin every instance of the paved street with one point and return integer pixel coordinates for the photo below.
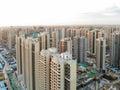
(5, 73)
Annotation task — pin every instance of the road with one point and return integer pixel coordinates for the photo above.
(5, 73)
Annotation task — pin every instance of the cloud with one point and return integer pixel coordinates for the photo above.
(50, 12)
(112, 11)
(109, 15)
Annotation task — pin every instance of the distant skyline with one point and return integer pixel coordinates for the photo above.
(59, 12)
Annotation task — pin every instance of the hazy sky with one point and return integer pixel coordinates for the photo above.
(55, 12)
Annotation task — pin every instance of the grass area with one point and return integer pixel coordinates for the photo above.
(1, 76)
(14, 82)
(79, 80)
(91, 74)
(88, 73)
(82, 64)
(83, 74)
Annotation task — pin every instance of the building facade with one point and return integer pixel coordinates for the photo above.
(115, 49)
(100, 53)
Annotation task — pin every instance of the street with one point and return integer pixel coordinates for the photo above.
(5, 73)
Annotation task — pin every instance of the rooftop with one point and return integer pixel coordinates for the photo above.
(2, 85)
(35, 35)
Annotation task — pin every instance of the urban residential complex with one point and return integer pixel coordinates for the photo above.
(84, 57)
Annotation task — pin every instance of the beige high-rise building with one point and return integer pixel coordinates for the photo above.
(19, 53)
(101, 34)
(44, 40)
(27, 56)
(65, 45)
(57, 71)
(84, 32)
(11, 35)
(45, 59)
(100, 53)
(4, 36)
(37, 67)
(10, 38)
(1, 35)
(31, 64)
(55, 39)
(21, 58)
(62, 72)
(92, 41)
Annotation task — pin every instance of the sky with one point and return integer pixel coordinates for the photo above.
(59, 12)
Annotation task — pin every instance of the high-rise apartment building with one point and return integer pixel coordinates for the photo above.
(57, 71)
(1, 35)
(55, 39)
(62, 33)
(75, 49)
(44, 40)
(100, 53)
(92, 41)
(27, 56)
(65, 45)
(63, 72)
(80, 48)
(115, 49)
(84, 32)
(72, 32)
(101, 34)
(19, 53)
(45, 59)
(10, 38)
(31, 63)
